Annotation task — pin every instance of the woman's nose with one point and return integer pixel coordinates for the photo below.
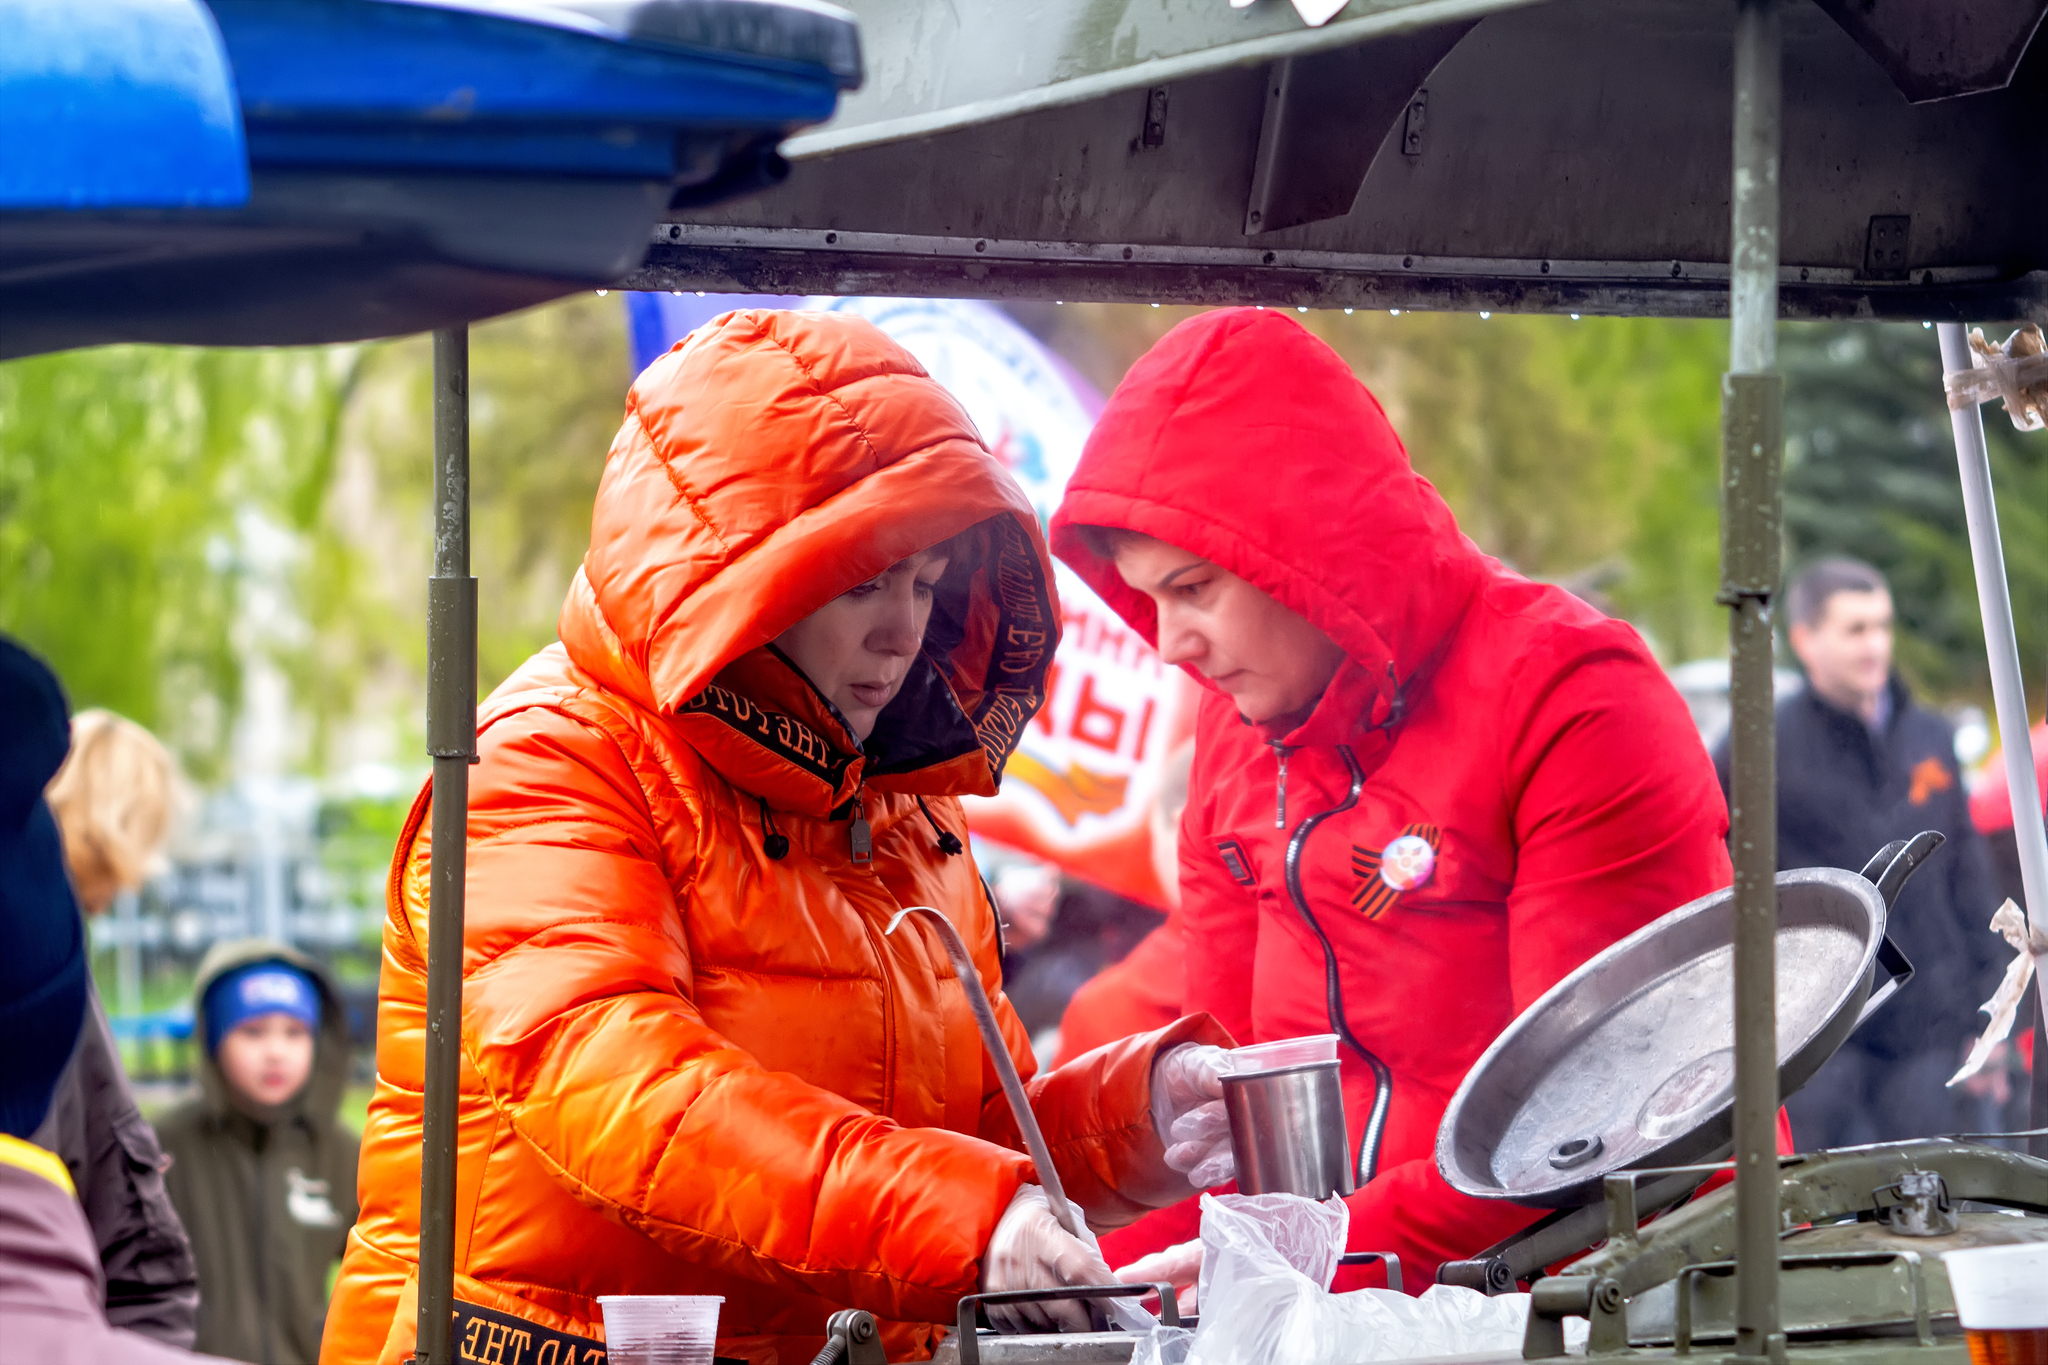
(897, 633)
(1177, 644)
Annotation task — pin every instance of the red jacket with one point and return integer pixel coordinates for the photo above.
(1532, 742)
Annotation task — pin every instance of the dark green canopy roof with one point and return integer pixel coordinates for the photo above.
(1563, 156)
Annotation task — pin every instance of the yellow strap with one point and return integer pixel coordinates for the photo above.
(36, 1161)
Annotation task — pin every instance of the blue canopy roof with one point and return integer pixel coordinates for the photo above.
(122, 103)
(278, 171)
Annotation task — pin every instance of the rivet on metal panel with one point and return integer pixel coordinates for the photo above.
(1155, 118)
(1884, 251)
(1411, 129)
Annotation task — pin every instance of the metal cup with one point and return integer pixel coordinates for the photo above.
(1287, 1131)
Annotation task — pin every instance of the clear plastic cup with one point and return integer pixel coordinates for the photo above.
(2001, 1295)
(660, 1329)
(1316, 1047)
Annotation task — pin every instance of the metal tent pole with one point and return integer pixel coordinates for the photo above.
(2008, 684)
(1751, 511)
(451, 740)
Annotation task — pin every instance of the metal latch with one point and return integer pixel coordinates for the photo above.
(1916, 1205)
(852, 1337)
(1368, 1257)
(1596, 1298)
(1487, 1274)
(970, 1344)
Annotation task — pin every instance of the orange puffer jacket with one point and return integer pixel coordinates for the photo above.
(691, 1065)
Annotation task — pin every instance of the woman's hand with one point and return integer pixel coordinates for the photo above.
(1187, 1111)
(1179, 1266)
(1030, 1250)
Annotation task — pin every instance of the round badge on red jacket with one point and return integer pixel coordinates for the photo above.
(1407, 862)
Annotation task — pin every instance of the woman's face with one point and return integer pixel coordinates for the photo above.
(1266, 658)
(857, 648)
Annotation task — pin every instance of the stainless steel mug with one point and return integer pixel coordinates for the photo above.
(1287, 1131)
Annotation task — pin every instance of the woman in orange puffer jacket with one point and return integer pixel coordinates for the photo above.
(815, 611)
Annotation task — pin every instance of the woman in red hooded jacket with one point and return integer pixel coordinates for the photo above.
(1425, 788)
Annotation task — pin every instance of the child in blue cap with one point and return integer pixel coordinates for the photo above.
(261, 1172)
(260, 1022)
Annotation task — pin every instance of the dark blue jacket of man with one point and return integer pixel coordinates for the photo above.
(1845, 789)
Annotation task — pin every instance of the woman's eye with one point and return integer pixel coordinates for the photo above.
(865, 590)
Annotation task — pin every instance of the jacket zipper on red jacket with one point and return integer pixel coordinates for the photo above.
(1280, 787)
(1367, 1160)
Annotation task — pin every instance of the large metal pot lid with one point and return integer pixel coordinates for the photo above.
(1630, 1062)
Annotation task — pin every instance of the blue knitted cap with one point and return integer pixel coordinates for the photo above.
(256, 990)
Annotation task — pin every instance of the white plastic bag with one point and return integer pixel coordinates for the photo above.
(1248, 1236)
(1267, 1263)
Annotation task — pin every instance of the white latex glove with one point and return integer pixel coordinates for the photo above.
(1179, 1266)
(1187, 1112)
(1030, 1250)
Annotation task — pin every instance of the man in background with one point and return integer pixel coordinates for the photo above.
(1861, 764)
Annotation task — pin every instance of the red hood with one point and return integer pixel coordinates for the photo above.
(1244, 439)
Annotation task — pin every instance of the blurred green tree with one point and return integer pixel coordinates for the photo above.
(127, 475)
(548, 390)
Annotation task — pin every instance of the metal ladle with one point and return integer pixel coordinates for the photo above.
(999, 1055)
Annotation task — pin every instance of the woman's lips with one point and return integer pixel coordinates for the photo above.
(872, 694)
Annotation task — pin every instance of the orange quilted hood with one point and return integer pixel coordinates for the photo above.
(702, 552)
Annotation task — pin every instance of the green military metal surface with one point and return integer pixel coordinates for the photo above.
(1819, 1187)
(1752, 506)
(1673, 1281)
(1948, 1349)
(939, 68)
(1844, 1277)
(1567, 156)
(451, 741)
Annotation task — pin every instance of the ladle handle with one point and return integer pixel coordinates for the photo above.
(999, 1057)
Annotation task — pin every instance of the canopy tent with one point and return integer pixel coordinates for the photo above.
(1563, 157)
(1567, 156)
(294, 171)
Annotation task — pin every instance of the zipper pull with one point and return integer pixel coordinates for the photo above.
(862, 837)
(1280, 792)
